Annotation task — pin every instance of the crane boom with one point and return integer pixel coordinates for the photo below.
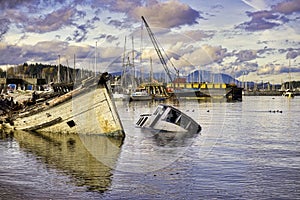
(161, 58)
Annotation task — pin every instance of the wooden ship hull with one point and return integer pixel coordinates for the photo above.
(88, 109)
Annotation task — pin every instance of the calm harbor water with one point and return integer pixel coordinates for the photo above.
(246, 150)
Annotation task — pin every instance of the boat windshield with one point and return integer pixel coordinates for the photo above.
(160, 109)
(172, 116)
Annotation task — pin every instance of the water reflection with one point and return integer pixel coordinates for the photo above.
(173, 139)
(88, 159)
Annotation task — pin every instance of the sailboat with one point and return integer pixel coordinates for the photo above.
(289, 92)
(119, 92)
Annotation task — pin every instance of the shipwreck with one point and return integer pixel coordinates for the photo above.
(167, 118)
(85, 109)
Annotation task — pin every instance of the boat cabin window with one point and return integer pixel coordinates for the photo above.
(156, 111)
(159, 110)
(143, 122)
(172, 116)
(184, 122)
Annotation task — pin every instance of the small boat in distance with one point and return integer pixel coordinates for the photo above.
(140, 95)
(167, 118)
(288, 93)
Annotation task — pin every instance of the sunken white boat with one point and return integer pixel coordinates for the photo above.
(167, 118)
(88, 109)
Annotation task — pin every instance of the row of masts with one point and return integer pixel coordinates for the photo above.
(59, 79)
(68, 71)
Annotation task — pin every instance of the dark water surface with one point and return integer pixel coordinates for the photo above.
(246, 150)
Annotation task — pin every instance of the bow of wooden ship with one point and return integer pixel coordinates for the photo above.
(88, 109)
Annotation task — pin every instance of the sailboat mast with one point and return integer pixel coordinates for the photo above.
(74, 71)
(133, 59)
(141, 52)
(68, 72)
(151, 71)
(58, 70)
(123, 75)
(96, 59)
(290, 77)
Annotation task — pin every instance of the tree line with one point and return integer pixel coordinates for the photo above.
(41, 71)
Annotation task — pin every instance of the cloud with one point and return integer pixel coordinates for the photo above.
(186, 57)
(123, 6)
(11, 4)
(205, 55)
(52, 21)
(167, 14)
(46, 51)
(198, 35)
(287, 7)
(43, 17)
(292, 54)
(36, 16)
(246, 55)
(10, 54)
(4, 27)
(268, 19)
(276, 69)
(262, 20)
(257, 4)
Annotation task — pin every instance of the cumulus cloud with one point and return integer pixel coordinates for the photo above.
(51, 22)
(38, 18)
(11, 4)
(33, 16)
(287, 7)
(262, 20)
(185, 56)
(276, 69)
(268, 19)
(3, 27)
(167, 14)
(42, 51)
(246, 55)
(10, 54)
(48, 51)
(205, 55)
(293, 54)
(198, 35)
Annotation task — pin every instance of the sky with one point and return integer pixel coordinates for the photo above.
(251, 40)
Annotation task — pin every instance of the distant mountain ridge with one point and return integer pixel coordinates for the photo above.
(196, 76)
(207, 76)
